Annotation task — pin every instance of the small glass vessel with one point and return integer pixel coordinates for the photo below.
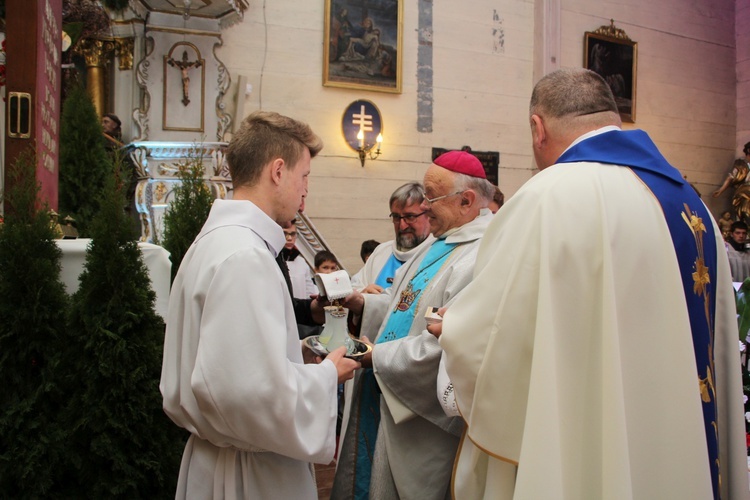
(335, 334)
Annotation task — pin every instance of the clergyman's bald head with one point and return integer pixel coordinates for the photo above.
(572, 93)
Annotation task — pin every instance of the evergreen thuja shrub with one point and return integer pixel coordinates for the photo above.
(33, 306)
(84, 162)
(124, 444)
(188, 211)
(742, 297)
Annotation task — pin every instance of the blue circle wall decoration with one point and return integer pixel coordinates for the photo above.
(365, 116)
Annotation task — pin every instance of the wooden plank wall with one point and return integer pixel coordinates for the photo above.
(742, 21)
(483, 55)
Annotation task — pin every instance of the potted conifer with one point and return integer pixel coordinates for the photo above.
(33, 341)
(84, 162)
(124, 444)
(189, 209)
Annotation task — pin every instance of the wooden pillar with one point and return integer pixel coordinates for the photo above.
(33, 48)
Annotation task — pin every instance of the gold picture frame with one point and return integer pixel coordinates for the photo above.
(612, 54)
(362, 45)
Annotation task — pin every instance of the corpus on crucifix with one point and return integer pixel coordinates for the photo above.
(184, 66)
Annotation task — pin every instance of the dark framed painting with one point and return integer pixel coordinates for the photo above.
(611, 54)
(362, 44)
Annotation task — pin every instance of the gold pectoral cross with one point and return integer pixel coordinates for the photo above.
(184, 66)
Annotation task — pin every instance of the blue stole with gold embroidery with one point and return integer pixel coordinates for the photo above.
(367, 407)
(694, 241)
(402, 316)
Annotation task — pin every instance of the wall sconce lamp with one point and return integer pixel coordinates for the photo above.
(364, 151)
(362, 128)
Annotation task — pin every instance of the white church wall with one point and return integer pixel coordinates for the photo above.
(480, 92)
(742, 21)
(483, 55)
(685, 78)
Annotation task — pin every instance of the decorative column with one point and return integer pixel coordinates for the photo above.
(96, 52)
(124, 51)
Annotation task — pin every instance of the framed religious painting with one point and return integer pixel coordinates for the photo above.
(612, 54)
(362, 45)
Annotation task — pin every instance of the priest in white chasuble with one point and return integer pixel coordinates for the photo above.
(233, 372)
(595, 353)
(412, 230)
(401, 444)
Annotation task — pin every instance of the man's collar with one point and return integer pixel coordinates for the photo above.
(472, 230)
(592, 133)
(740, 247)
(404, 255)
(245, 213)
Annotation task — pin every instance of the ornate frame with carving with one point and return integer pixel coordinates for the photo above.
(612, 54)
(201, 105)
(364, 53)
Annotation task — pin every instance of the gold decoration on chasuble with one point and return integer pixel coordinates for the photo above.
(701, 279)
(407, 298)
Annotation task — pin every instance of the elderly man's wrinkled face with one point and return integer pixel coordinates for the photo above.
(410, 224)
(442, 201)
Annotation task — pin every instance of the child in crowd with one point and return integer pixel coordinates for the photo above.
(325, 262)
(368, 246)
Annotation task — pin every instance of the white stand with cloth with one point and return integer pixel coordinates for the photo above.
(157, 262)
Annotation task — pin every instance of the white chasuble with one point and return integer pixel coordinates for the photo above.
(571, 353)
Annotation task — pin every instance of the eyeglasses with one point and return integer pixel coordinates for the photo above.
(289, 236)
(430, 201)
(408, 218)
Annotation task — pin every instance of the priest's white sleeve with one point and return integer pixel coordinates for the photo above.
(445, 394)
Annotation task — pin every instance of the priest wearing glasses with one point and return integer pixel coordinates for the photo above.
(412, 231)
(399, 443)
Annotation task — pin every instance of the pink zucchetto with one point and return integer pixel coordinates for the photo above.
(461, 162)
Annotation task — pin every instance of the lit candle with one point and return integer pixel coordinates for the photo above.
(361, 138)
(379, 140)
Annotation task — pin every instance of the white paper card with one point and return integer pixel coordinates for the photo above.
(334, 286)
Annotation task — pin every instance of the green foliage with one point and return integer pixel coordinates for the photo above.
(84, 162)
(33, 304)
(124, 444)
(743, 309)
(743, 320)
(188, 211)
(74, 31)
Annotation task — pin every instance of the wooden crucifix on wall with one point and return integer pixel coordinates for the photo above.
(184, 66)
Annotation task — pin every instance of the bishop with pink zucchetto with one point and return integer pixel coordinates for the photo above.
(398, 442)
